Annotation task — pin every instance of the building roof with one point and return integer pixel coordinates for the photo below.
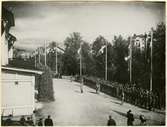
(8, 16)
(22, 70)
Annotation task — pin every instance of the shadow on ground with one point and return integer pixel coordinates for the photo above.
(92, 92)
(116, 102)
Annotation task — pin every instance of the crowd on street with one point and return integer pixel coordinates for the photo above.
(126, 93)
(29, 121)
(140, 97)
(129, 93)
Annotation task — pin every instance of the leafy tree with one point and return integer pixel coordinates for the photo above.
(120, 51)
(45, 84)
(70, 57)
(140, 65)
(159, 60)
(86, 59)
(99, 59)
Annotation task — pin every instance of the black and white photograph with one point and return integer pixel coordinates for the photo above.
(83, 63)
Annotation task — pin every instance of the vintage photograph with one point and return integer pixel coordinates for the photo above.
(89, 63)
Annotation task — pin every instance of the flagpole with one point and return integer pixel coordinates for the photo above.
(45, 52)
(56, 59)
(80, 61)
(39, 56)
(130, 66)
(35, 60)
(106, 63)
(151, 60)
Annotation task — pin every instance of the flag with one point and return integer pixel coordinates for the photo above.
(79, 51)
(101, 50)
(47, 50)
(127, 58)
(92, 52)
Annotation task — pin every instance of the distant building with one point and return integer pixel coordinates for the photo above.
(21, 53)
(140, 42)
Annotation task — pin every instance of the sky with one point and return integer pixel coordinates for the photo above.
(39, 22)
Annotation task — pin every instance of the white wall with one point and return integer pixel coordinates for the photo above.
(17, 94)
(4, 50)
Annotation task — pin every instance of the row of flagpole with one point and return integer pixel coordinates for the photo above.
(45, 54)
(106, 62)
(80, 56)
(106, 70)
(151, 56)
(151, 61)
(130, 60)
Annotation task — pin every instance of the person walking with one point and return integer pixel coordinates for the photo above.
(98, 86)
(130, 118)
(122, 98)
(142, 120)
(111, 122)
(48, 121)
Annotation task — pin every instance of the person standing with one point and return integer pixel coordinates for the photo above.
(81, 85)
(71, 78)
(111, 122)
(8, 121)
(23, 121)
(130, 118)
(40, 123)
(29, 121)
(34, 118)
(48, 121)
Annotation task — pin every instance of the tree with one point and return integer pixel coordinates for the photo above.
(87, 61)
(141, 64)
(99, 59)
(70, 57)
(45, 86)
(120, 50)
(159, 60)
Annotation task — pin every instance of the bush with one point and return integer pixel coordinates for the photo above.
(45, 87)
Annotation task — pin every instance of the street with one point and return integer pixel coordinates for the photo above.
(71, 107)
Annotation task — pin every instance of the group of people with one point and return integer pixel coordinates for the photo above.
(47, 122)
(27, 122)
(140, 97)
(129, 93)
(97, 86)
(130, 119)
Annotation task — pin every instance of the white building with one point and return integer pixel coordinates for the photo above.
(7, 39)
(17, 84)
(18, 91)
